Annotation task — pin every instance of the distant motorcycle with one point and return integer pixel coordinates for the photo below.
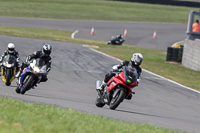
(8, 69)
(118, 40)
(118, 88)
(31, 75)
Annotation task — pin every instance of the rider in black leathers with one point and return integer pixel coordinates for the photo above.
(11, 51)
(118, 40)
(136, 61)
(44, 54)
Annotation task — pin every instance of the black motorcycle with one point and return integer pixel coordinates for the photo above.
(118, 40)
(8, 69)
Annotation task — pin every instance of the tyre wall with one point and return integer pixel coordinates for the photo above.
(174, 54)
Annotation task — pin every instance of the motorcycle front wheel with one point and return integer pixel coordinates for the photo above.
(8, 77)
(27, 84)
(115, 101)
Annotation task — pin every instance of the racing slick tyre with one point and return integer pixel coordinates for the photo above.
(27, 84)
(119, 97)
(8, 77)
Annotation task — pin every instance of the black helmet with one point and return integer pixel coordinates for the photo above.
(46, 49)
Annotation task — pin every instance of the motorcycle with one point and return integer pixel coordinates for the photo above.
(118, 88)
(31, 75)
(8, 69)
(116, 40)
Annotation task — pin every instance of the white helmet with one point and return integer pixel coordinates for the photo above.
(11, 48)
(137, 59)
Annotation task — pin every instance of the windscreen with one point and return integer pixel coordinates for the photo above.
(40, 62)
(10, 59)
(130, 74)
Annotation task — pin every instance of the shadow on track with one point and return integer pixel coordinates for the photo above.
(145, 114)
(63, 99)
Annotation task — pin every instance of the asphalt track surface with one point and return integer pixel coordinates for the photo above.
(72, 79)
(138, 33)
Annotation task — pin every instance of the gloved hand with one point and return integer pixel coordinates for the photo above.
(17, 59)
(48, 69)
(28, 59)
(115, 67)
(138, 81)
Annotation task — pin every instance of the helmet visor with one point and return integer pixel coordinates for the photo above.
(46, 52)
(11, 49)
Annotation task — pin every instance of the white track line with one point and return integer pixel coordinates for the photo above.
(150, 72)
(73, 34)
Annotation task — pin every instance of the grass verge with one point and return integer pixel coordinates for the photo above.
(154, 60)
(21, 117)
(94, 10)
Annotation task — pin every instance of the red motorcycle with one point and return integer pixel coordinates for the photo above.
(118, 88)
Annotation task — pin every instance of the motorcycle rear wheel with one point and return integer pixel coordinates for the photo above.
(117, 100)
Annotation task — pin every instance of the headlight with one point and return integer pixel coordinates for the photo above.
(36, 69)
(9, 65)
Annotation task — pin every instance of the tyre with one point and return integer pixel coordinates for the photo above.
(169, 54)
(99, 102)
(27, 84)
(180, 54)
(169, 50)
(115, 101)
(169, 57)
(175, 54)
(8, 77)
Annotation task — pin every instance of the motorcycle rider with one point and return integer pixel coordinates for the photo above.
(136, 61)
(44, 54)
(11, 51)
(116, 40)
(119, 37)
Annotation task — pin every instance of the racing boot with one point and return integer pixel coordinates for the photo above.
(102, 86)
(129, 97)
(18, 73)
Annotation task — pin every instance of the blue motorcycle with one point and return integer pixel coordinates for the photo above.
(31, 75)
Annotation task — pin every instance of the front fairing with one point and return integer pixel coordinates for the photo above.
(30, 70)
(130, 74)
(9, 61)
(127, 78)
(8, 64)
